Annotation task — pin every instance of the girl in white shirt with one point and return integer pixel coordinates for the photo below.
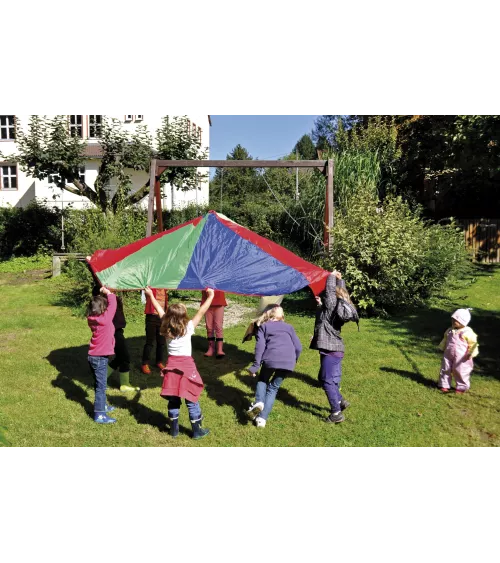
(180, 376)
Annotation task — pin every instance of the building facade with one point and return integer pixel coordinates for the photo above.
(17, 189)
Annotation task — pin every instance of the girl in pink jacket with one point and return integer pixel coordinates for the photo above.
(460, 346)
(100, 313)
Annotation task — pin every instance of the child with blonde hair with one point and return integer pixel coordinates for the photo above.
(180, 376)
(459, 345)
(277, 349)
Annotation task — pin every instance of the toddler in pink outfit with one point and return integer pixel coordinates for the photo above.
(460, 346)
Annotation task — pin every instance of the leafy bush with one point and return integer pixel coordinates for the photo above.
(90, 230)
(178, 216)
(29, 230)
(23, 263)
(390, 257)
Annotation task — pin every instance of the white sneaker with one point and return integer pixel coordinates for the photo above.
(255, 410)
(260, 422)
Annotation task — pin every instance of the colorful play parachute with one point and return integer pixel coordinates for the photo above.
(209, 251)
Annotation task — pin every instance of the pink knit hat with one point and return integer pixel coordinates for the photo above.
(462, 316)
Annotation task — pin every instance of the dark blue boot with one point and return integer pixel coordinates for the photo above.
(198, 431)
(174, 427)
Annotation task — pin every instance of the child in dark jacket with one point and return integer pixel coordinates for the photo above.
(278, 349)
(329, 343)
(100, 313)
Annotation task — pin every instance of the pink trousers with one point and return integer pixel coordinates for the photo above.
(454, 363)
(214, 319)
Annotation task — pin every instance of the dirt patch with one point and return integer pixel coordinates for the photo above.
(234, 313)
(6, 340)
(26, 277)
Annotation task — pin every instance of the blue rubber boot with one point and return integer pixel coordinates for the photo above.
(103, 418)
(174, 427)
(198, 431)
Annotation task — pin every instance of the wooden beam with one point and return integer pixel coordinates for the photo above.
(159, 216)
(244, 163)
(152, 181)
(329, 211)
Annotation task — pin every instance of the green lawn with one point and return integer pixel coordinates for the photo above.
(390, 368)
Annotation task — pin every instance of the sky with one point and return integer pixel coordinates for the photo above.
(266, 137)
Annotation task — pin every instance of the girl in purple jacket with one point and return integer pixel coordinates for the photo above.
(277, 349)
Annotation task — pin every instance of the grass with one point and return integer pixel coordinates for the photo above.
(390, 369)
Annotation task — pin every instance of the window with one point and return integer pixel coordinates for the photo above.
(8, 176)
(95, 126)
(76, 125)
(139, 117)
(188, 126)
(56, 178)
(193, 130)
(199, 134)
(7, 127)
(129, 117)
(81, 174)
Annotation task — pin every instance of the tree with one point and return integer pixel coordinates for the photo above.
(47, 150)
(325, 129)
(451, 162)
(305, 148)
(236, 184)
(375, 135)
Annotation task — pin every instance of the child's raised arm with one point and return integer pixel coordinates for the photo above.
(111, 309)
(204, 308)
(159, 309)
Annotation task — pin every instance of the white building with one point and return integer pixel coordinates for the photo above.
(17, 189)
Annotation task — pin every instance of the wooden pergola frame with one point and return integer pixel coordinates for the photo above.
(158, 167)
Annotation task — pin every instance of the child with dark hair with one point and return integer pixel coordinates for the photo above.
(100, 313)
(121, 361)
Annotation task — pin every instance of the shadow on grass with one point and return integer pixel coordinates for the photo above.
(415, 375)
(423, 329)
(76, 381)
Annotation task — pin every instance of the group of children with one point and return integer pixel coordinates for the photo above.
(277, 350)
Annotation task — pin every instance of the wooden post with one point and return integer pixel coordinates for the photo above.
(152, 182)
(159, 217)
(329, 211)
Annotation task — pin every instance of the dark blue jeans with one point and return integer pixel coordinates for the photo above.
(99, 368)
(330, 373)
(270, 380)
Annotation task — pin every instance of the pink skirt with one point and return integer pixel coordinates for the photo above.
(181, 379)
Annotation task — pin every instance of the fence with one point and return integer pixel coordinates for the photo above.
(59, 257)
(482, 237)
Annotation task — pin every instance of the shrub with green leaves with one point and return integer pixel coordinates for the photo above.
(90, 230)
(389, 256)
(26, 231)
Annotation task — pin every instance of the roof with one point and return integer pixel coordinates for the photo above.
(93, 150)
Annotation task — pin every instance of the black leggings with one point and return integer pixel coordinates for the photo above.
(153, 324)
(121, 361)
